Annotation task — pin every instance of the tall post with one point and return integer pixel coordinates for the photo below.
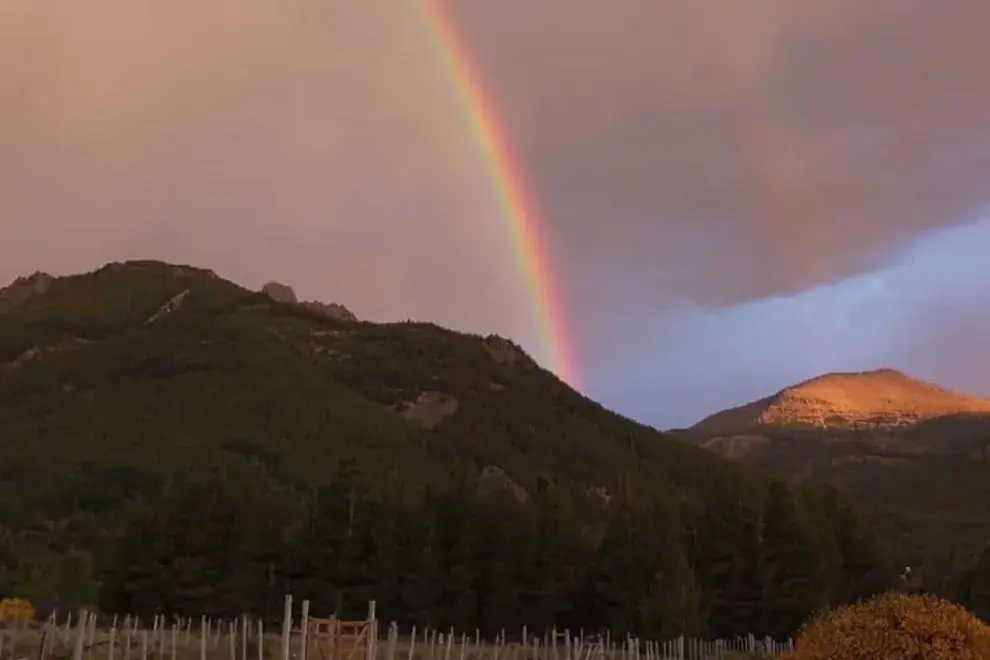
(77, 649)
(304, 631)
(287, 628)
(372, 630)
(244, 637)
(112, 644)
(128, 632)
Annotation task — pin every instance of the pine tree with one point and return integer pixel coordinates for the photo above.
(975, 587)
(796, 585)
(865, 568)
(727, 554)
(670, 606)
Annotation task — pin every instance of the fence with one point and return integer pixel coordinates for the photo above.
(310, 638)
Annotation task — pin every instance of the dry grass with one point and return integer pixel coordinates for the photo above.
(26, 645)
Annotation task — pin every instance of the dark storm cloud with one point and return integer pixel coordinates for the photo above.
(737, 150)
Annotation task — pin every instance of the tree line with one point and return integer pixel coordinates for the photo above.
(232, 539)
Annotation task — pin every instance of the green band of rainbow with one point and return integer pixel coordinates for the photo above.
(533, 259)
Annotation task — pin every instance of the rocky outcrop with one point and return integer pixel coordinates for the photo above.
(173, 305)
(331, 310)
(884, 398)
(736, 447)
(36, 352)
(283, 293)
(503, 351)
(430, 408)
(494, 479)
(18, 291)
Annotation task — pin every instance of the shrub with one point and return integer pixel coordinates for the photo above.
(895, 626)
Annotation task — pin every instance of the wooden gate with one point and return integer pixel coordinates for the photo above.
(333, 639)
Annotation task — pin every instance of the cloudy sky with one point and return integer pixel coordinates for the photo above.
(737, 196)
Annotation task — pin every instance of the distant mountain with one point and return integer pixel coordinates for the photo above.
(883, 398)
(175, 443)
(916, 453)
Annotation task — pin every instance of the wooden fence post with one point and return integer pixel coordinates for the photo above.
(244, 637)
(372, 631)
(287, 627)
(77, 649)
(304, 631)
(111, 646)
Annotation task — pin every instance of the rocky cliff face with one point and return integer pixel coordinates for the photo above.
(25, 287)
(283, 293)
(867, 399)
(333, 310)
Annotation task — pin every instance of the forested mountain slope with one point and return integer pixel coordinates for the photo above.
(174, 442)
(913, 453)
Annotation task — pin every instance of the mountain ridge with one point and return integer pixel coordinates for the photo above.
(878, 398)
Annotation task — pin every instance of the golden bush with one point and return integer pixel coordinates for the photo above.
(16, 609)
(895, 626)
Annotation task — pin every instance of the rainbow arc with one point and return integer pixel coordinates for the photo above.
(534, 260)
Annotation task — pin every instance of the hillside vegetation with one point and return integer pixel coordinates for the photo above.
(173, 442)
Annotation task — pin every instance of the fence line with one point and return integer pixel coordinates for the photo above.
(304, 637)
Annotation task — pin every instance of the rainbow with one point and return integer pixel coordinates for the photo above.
(533, 257)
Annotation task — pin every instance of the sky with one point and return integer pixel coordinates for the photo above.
(735, 196)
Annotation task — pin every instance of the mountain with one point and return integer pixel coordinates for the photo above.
(883, 398)
(915, 453)
(175, 443)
